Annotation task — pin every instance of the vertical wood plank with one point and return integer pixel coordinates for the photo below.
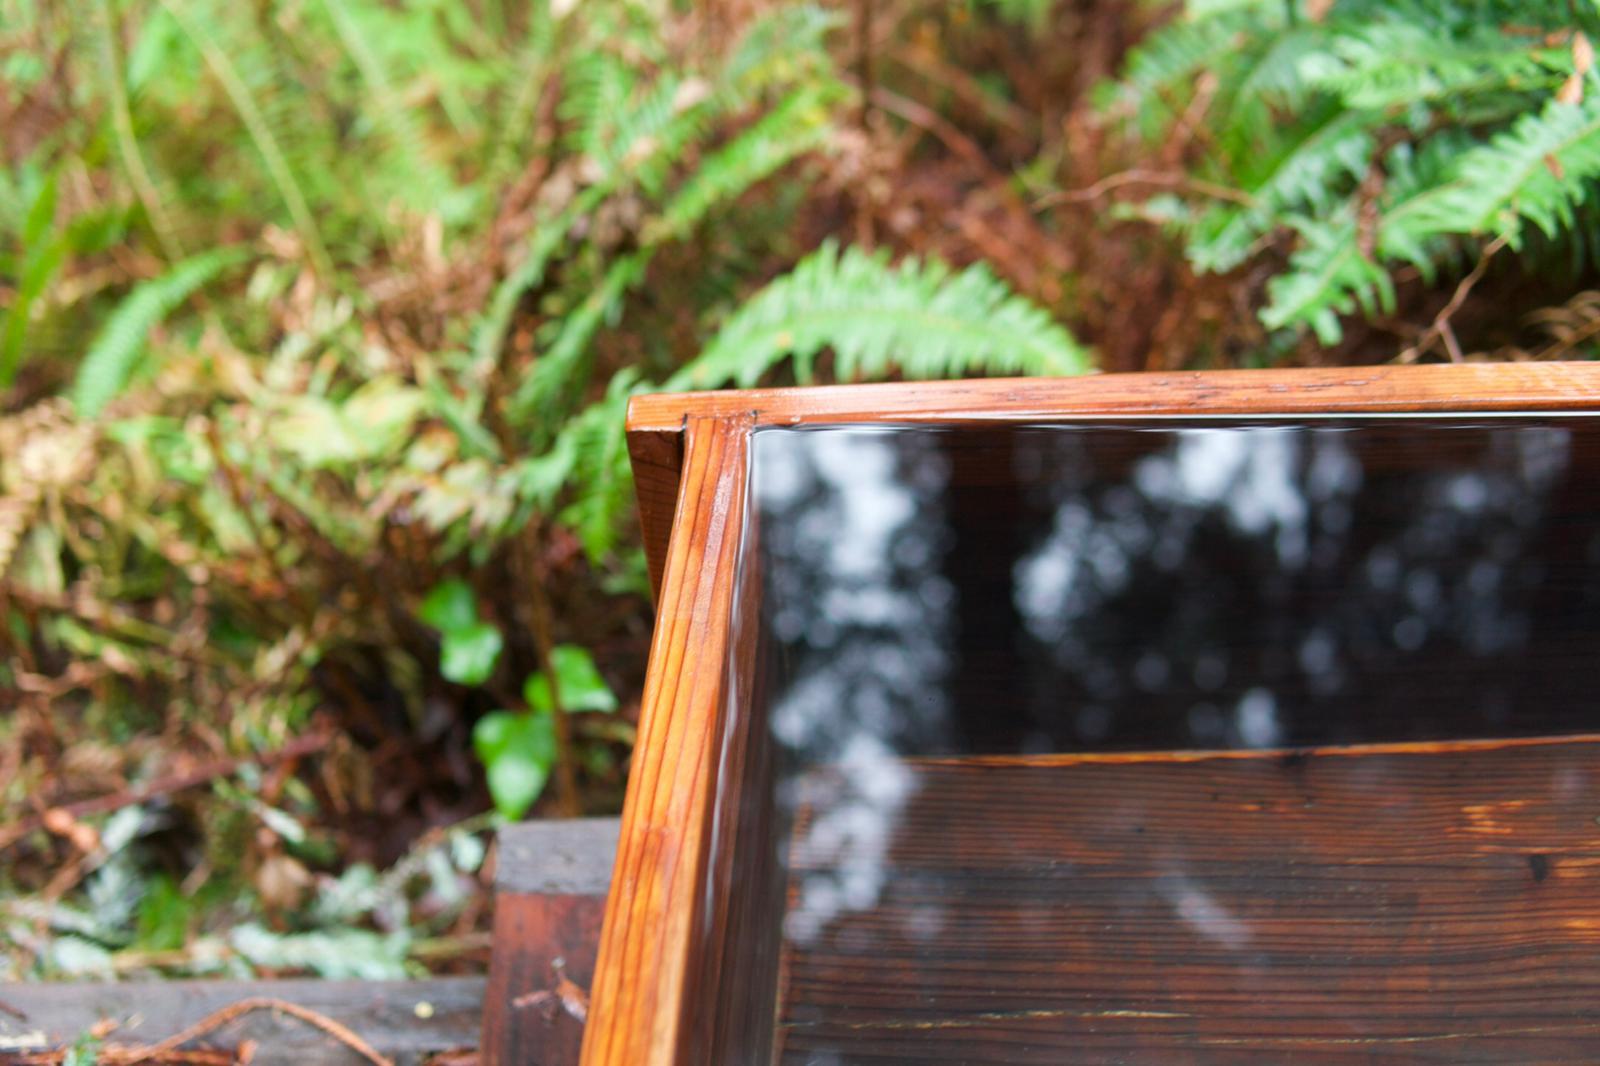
(657, 460)
(551, 879)
(538, 940)
(653, 911)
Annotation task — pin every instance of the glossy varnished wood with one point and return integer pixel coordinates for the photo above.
(656, 422)
(1422, 903)
(1418, 903)
(656, 914)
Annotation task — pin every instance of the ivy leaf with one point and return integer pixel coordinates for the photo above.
(467, 655)
(518, 748)
(450, 607)
(579, 682)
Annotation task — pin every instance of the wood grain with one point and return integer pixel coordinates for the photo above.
(655, 912)
(1410, 904)
(656, 422)
(657, 460)
(551, 879)
(1415, 903)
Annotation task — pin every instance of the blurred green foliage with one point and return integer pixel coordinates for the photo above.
(320, 318)
(1380, 137)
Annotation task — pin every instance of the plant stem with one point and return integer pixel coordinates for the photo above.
(568, 802)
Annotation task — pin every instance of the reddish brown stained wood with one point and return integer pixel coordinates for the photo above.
(550, 891)
(654, 912)
(1401, 905)
(538, 940)
(657, 460)
(666, 944)
(656, 422)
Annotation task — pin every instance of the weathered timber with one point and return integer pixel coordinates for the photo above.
(550, 882)
(1393, 903)
(550, 886)
(406, 1021)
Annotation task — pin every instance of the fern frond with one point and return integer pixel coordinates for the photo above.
(1535, 172)
(1399, 63)
(423, 182)
(777, 48)
(114, 355)
(919, 318)
(800, 123)
(546, 240)
(562, 371)
(1328, 276)
(1331, 274)
(1314, 171)
(601, 473)
(1158, 79)
(283, 176)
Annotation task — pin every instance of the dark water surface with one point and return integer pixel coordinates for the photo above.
(1124, 586)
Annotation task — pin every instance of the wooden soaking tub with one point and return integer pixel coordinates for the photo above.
(1216, 717)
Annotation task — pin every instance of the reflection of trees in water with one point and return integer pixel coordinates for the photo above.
(859, 616)
(1268, 585)
(1062, 588)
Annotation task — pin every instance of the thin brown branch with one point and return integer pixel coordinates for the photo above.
(219, 1018)
(1441, 329)
(926, 118)
(206, 772)
(1112, 182)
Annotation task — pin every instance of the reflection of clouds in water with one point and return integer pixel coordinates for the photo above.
(1204, 914)
(1256, 477)
(1256, 720)
(1149, 580)
(851, 539)
(1253, 475)
(851, 828)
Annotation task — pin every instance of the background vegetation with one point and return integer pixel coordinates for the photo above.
(318, 319)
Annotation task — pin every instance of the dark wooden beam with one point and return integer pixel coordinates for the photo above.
(550, 894)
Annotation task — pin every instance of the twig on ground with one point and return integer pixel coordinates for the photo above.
(216, 1019)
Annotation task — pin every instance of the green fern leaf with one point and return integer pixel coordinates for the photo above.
(1331, 275)
(1401, 63)
(1328, 276)
(1313, 173)
(599, 470)
(800, 123)
(115, 353)
(1535, 172)
(562, 371)
(917, 317)
(196, 25)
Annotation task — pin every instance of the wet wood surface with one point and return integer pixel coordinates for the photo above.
(1417, 903)
(656, 422)
(1396, 945)
(655, 933)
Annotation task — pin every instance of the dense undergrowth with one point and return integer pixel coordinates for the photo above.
(318, 319)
